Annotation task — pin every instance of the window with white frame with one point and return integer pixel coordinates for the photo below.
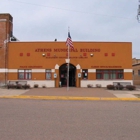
(48, 74)
(24, 74)
(84, 73)
(109, 74)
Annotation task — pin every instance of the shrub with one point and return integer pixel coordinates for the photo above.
(130, 87)
(98, 85)
(110, 87)
(43, 86)
(11, 86)
(35, 85)
(19, 86)
(119, 87)
(89, 85)
(26, 86)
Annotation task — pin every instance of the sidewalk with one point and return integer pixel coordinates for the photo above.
(71, 94)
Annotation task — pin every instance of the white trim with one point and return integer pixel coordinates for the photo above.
(3, 70)
(33, 70)
(67, 60)
(47, 83)
(128, 70)
(38, 70)
(3, 20)
(56, 66)
(78, 67)
(12, 70)
(53, 70)
(92, 70)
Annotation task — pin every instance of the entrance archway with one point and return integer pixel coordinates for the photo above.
(63, 75)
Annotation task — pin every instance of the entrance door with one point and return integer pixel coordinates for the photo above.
(63, 75)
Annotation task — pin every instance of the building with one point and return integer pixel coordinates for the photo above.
(136, 71)
(6, 28)
(45, 63)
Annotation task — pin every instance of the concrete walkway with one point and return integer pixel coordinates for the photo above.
(71, 94)
(11, 92)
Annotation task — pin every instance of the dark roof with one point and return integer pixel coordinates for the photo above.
(136, 64)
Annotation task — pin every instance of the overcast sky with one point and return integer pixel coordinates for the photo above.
(89, 20)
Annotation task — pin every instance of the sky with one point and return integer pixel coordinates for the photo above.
(87, 20)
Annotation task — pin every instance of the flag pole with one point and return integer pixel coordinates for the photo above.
(70, 45)
(68, 65)
(68, 68)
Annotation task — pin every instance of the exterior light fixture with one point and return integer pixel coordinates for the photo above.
(43, 54)
(91, 54)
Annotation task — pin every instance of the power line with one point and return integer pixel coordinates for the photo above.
(70, 10)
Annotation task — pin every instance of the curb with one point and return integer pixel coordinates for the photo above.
(70, 98)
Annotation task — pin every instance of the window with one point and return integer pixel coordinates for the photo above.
(48, 74)
(113, 54)
(24, 74)
(138, 72)
(21, 54)
(109, 74)
(84, 74)
(28, 54)
(99, 74)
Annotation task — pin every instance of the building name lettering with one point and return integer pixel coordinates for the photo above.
(106, 66)
(66, 50)
(30, 66)
(43, 50)
(89, 50)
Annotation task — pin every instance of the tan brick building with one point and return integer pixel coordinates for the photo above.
(136, 71)
(45, 63)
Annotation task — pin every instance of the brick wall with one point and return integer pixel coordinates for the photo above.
(135, 61)
(6, 28)
(136, 76)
